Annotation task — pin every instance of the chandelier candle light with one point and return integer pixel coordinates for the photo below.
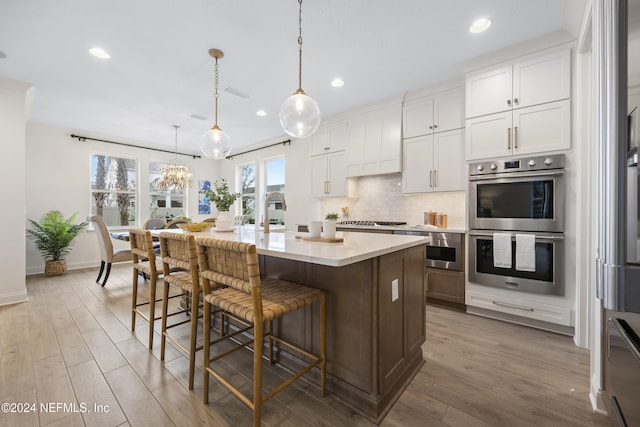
(217, 144)
(299, 113)
(174, 175)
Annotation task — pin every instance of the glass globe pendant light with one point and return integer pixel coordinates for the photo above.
(217, 144)
(299, 113)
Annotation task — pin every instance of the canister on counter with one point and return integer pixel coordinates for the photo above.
(441, 220)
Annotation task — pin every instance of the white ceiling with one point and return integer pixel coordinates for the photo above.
(161, 74)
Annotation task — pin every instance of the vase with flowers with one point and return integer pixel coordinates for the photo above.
(223, 198)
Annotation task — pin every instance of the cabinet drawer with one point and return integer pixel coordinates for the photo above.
(521, 307)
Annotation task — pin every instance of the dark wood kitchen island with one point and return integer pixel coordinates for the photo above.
(375, 309)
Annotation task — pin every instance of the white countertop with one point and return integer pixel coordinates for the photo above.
(356, 246)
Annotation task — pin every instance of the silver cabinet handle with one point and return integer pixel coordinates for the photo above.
(431, 179)
(508, 102)
(326, 187)
(430, 127)
(435, 126)
(516, 100)
(508, 138)
(435, 178)
(515, 136)
(517, 307)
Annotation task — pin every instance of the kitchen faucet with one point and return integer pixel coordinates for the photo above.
(270, 195)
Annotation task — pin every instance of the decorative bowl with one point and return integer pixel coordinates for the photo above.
(196, 226)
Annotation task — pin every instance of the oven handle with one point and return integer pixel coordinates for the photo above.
(542, 236)
(556, 172)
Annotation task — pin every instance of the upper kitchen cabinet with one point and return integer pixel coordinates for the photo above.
(328, 175)
(432, 114)
(434, 163)
(521, 108)
(330, 138)
(536, 80)
(536, 129)
(375, 142)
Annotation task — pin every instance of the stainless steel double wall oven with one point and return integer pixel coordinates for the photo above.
(518, 196)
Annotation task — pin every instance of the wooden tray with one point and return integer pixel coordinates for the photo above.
(321, 239)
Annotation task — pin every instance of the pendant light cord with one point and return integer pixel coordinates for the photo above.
(300, 48)
(216, 94)
(176, 143)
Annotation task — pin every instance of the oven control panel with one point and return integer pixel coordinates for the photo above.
(552, 161)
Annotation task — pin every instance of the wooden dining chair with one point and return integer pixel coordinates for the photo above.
(174, 223)
(232, 267)
(180, 268)
(107, 255)
(154, 224)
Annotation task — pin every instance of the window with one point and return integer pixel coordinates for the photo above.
(167, 204)
(113, 190)
(274, 173)
(248, 192)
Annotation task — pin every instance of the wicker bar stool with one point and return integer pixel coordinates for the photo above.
(146, 263)
(179, 250)
(233, 268)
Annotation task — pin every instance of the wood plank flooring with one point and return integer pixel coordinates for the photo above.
(71, 343)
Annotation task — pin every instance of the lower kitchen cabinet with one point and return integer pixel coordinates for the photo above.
(445, 287)
(434, 163)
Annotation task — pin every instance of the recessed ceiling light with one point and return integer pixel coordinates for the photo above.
(480, 25)
(261, 113)
(337, 82)
(98, 52)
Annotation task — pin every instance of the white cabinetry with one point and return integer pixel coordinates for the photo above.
(522, 84)
(434, 163)
(328, 175)
(438, 113)
(375, 143)
(536, 129)
(520, 108)
(330, 138)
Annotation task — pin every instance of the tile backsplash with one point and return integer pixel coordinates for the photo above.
(380, 198)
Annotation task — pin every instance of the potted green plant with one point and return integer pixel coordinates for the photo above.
(223, 198)
(53, 237)
(329, 225)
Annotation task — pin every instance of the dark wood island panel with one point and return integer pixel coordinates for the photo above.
(374, 334)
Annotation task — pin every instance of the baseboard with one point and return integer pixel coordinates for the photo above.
(596, 397)
(13, 298)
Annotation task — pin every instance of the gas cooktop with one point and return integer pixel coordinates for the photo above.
(373, 223)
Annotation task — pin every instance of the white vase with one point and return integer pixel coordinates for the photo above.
(329, 229)
(224, 221)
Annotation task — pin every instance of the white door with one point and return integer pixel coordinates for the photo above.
(449, 164)
(489, 136)
(448, 111)
(543, 79)
(418, 118)
(319, 176)
(542, 128)
(489, 92)
(418, 165)
(337, 174)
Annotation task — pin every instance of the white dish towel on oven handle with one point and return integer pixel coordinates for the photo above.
(502, 250)
(526, 252)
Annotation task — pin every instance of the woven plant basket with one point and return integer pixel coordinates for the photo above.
(55, 268)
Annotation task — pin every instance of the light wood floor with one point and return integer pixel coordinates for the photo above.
(71, 343)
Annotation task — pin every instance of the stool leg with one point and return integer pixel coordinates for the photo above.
(206, 326)
(258, 339)
(194, 332)
(270, 333)
(134, 299)
(165, 303)
(152, 308)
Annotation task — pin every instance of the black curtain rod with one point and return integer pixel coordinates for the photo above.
(85, 138)
(285, 142)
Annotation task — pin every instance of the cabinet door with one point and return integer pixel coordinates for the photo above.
(329, 138)
(337, 174)
(319, 176)
(448, 111)
(489, 136)
(445, 285)
(542, 128)
(449, 165)
(543, 79)
(417, 118)
(417, 174)
(489, 92)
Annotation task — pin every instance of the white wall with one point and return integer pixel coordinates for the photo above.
(13, 117)
(58, 177)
